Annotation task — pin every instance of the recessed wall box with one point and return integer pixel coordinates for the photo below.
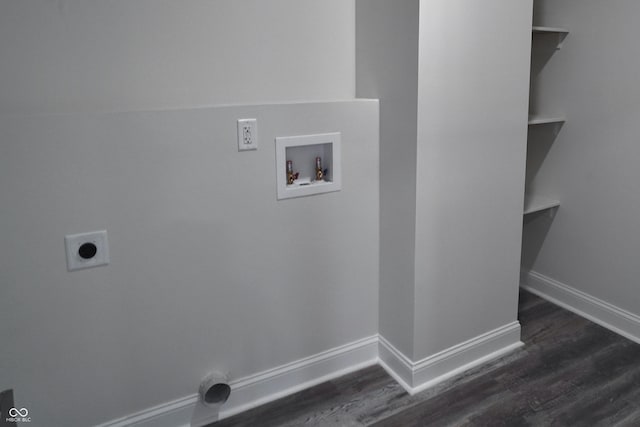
(306, 152)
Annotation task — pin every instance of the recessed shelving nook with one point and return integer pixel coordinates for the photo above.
(534, 202)
(308, 165)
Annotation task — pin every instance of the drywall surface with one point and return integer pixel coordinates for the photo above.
(592, 166)
(208, 270)
(472, 110)
(77, 55)
(387, 69)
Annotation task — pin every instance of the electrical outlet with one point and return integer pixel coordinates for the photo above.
(87, 250)
(247, 134)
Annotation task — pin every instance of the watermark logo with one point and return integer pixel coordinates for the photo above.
(13, 412)
(18, 416)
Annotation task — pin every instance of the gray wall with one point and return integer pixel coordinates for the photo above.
(208, 270)
(453, 79)
(592, 166)
(387, 69)
(77, 55)
(454, 96)
(472, 112)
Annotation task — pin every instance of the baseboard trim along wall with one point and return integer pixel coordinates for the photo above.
(598, 311)
(261, 388)
(274, 384)
(264, 387)
(425, 373)
(399, 366)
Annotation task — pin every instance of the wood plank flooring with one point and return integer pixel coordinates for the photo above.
(570, 372)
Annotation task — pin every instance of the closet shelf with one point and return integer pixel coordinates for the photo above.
(543, 30)
(559, 33)
(534, 203)
(540, 120)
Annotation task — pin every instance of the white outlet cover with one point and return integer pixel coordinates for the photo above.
(247, 134)
(73, 242)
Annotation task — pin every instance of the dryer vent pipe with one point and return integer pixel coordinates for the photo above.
(215, 389)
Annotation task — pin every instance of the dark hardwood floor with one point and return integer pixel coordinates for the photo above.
(571, 372)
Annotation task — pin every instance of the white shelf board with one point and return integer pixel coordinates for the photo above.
(538, 29)
(534, 203)
(539, 120)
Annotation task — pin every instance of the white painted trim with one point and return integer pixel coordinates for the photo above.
(258, 389)
(397, 365)
(426, 373)
(467, 355)
(614, 318)
(273, 384)
(261, 388)
(176, 413)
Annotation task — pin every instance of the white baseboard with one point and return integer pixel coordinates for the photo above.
(598, 311)
(397, 365)
(420, 375)
(276, 383)
(264, 387)
(261, 388)
(176, 413)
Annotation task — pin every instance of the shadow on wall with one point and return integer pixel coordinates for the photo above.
(538, 10)
(6, 403)
(540, 139)
(535, 227)
(542, 49)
